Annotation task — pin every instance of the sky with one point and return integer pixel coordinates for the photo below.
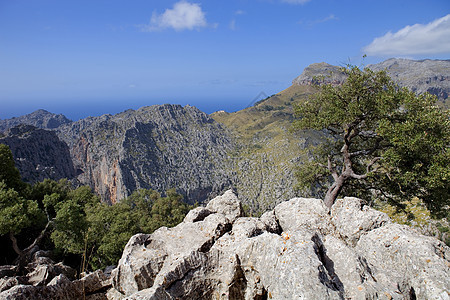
(88, 58)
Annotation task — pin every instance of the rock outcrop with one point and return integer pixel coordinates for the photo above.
(299, 250)
(320, 73)
(39, 153)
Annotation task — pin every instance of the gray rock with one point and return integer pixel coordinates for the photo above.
(197, 214)
(91, 287)
(157, 147)
(227, 205)
(39, 154)
(316, 256)
(303, 213)
(352, 219)
(320, 73)
(420, 76)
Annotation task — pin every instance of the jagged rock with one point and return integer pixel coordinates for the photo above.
(420, 76)
(227, 205)
(9, 282)
(270, 220)
(313, 256)
(197, 214)
(303, 213)
(352, 219)
(7, 270)
(91, 287)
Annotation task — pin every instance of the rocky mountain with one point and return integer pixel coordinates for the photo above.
(420, 76)
(39, 153)
(158, 147)
(298, 250)
(40, 119)
(167, 146)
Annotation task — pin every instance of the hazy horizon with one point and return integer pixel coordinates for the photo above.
(87, 58)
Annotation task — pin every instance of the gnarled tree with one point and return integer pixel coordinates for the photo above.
(382, 140)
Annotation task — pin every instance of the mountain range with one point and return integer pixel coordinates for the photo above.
(170, 146)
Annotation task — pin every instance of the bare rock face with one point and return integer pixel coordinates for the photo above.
(157, 147)
(39, 153)
(300, 250)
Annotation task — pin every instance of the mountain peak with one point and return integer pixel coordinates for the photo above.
(39, 118)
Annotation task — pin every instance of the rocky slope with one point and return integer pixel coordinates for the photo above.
(299, 250)
(39, 153)
(420, 76)
(158, 147)
(40, 119)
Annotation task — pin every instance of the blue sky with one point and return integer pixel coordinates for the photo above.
(86, 58)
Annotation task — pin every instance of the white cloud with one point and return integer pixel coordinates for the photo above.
(233, 24)
(418, 39)
(295, 1)
(183, 16)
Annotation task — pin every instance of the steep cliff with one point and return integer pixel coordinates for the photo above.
(39, 153)
(158, 147)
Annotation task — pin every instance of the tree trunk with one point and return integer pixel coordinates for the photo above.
(333, 191)
(24, 256)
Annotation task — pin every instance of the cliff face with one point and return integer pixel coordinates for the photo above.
(39, 153)
(158, 147)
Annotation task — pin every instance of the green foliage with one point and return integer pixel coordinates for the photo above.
(81, 224)
(8, 171)
(17, 213)
(110, 227)
(383, 140)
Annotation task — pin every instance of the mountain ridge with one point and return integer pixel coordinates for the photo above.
(251, 150)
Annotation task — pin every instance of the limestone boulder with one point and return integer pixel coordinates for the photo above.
(299, 250)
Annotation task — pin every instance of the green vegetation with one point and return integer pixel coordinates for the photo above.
(73, 222)
(384, 141)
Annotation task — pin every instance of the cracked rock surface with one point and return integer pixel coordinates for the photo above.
(299, 250)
